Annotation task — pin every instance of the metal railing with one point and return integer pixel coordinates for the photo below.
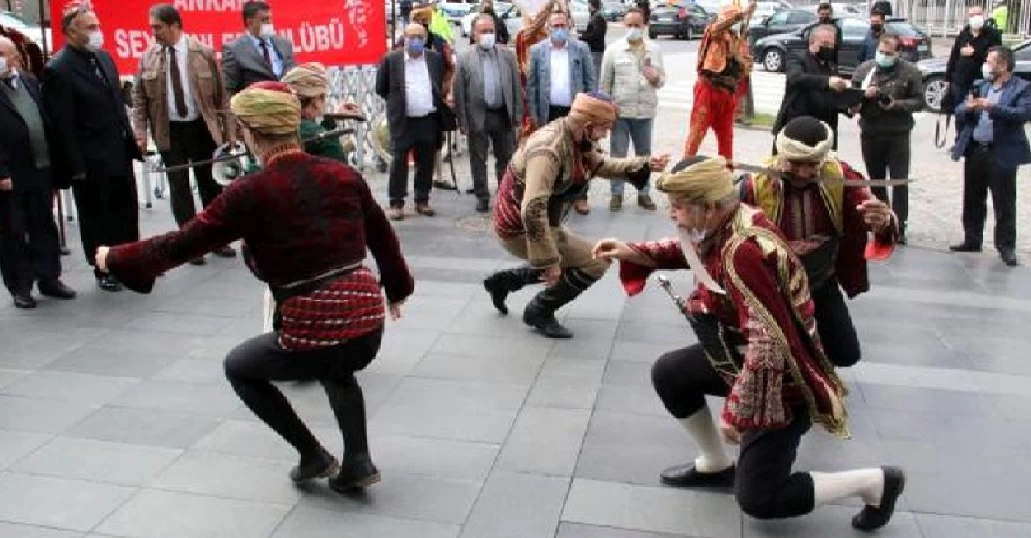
(947, 17)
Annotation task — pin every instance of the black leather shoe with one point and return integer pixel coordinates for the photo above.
(871, 518)
(965, 247)
(544, 321)
(1008, 257)
(685, 476)
(56, 289)
(482, 205)
(199, 260)
(109, 283)
(322, 466)
(24, 301)
(225, 252)
(355, 475)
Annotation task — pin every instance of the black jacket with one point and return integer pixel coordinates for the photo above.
(903, 83)
(390, 85)
(807, 92)
(594, 35)
(16, 157)
(836, 23)
(964, 70)
(91, 125)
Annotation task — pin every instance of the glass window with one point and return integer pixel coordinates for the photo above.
(1022, 55)
(801, 17)
(854, 29)
(779, 19)
(901, 29)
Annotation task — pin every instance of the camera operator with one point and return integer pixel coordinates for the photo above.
(893, 92)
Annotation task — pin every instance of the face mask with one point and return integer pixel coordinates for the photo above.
(825, 53)
(96, 40)
(4, 68)
(486, 41)
(877, 28)
(987, 72)
(977, 22)
(635, 34)
(825, 20)
(559, 34)
(884, 60)
(415, 44)
(267, 30)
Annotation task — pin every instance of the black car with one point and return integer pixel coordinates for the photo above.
(613, 10)
(781, 22)
(771, 51)
(682, 20)
(933, 71)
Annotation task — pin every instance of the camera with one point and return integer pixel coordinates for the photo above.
(884, 100)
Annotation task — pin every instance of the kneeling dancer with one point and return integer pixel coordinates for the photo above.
(544, 178)
(760, 350)
(826, 222)
(307, 222)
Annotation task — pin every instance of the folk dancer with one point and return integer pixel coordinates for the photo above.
(759, 349)
(307, 222)
(543, 179)
(724, 62)
(826, 225)
(310, 83)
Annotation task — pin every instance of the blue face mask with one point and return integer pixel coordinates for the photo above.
(884, 61)
(415, 44)
(559, 34)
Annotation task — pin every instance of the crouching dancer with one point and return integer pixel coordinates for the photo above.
(306, 222)
(759, 349)
(545, 177)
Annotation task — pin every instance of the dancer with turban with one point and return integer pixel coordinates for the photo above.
(544, 177)
(310, 83)
(307, 223)
(826, 223)
(759, 349)
(724, 63)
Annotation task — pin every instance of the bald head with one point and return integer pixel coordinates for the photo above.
(415, 30)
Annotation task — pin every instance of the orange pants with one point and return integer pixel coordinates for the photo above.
(715, 108)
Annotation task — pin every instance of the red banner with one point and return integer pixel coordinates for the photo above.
(335, 33)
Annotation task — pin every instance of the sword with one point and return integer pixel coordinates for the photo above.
(830, 181)
(234, 156)
(681, 303)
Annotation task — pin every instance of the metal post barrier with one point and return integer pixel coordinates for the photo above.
(357, 84)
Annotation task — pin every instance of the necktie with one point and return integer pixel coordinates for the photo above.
(265, 53)
(97, 71)
(177, 83)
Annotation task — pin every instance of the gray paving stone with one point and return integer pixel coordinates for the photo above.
(228, 476)
(484, 367)
(251, 438)
(435, 458)
(57, 502)
(545, 441)
(180, 397)
(829, 521)
(930, 401)
(98, 461)
(199, 371)
(514, 505)
(586, 369)
(89, 390)
(16, 445)
(628, 374)
(10, 376)
(652, 509)
(166, 514)
(571, 392)
(486, 347)
(11, 530)
(143, 427)
(409, 497)
(633, 399)
(577, 530)
(645, 352)
(38, 415)
(943, 526)
(435, 313)
(676, 334)
(313, 523)
(97, 360)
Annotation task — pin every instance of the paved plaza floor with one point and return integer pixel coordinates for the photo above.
(116, 420)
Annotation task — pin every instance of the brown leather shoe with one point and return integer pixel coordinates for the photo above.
(582, 207)
(396, 213)
(424, 209)
(645, 202)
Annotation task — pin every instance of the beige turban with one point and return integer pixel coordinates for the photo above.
(705, 181)
(308, 80)
(593, 107)
(268, 107)
(794, 150)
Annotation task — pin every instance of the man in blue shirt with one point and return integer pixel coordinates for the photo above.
(259, 54)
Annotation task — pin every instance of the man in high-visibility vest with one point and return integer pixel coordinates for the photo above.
(1001, 15)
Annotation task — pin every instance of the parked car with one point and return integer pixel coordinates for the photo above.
(581, 14)
(683, 19)
(933, 71)
(30, 30)
(455, 11)
(781, 22)
(508, 13)
(613, 10)
(771, 51)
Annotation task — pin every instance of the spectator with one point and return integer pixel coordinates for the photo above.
(594, 35)
(873, 37)
(257, 55)
(811, 82)
(969, 52)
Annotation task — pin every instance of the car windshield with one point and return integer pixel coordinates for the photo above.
(901, 29)
(13, 21)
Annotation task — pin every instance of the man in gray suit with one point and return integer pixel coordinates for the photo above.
(257, 55)
(488, 103)
(559, 69)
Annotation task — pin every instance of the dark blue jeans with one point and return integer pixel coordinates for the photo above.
(625, 130)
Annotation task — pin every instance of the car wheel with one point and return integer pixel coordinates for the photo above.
(934, 92)
(690, 33)
(652, 34)
(773, 60)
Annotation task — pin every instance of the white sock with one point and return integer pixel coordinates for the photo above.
(867, 484)
(700, 425)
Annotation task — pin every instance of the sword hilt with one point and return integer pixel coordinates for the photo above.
(681, 303)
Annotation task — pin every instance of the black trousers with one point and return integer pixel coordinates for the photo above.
(497, 133)
(190, 142)
(254, 364)
(108, 211)
(421, 136)
(981, 173)
(887, 157)
(834, 324)
(30, 250)
(764, 484)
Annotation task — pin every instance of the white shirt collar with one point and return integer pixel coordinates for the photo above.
(12, 78)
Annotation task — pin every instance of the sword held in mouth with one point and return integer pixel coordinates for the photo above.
(830, 181)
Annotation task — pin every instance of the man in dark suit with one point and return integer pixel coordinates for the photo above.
(82, 96)
(29, 247)
(257, 55)
(991, 137)
(811, 83)
(412, 82)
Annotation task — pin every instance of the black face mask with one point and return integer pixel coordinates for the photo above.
(877, 28)
(586, 144)
(825, 53)
(825, 20)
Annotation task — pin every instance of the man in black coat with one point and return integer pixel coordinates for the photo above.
(83, 98)
(969, 53)
(29, 247)
(594, 35)
(812, 82)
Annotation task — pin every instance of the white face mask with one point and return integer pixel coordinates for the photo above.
(635, 34)
(486, 41)
(96, 40)
(267, 30)
(977, 22)
(4, 68)
(986, 72)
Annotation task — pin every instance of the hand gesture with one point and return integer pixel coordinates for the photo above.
(750, 10)
(854, 109)
(101, 258)
(6, 184)
(730, 432)
(658, 163)
(449, 100)
(395, 310)
(967, 50)
(142, 144)
(838, 84)
(349, 108)
(651, 74)
(876, 213)
(871, 92)
(611, 249)
(551, 275)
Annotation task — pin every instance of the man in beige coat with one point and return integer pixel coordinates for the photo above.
(179, 92)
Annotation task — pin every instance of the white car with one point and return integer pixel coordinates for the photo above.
(508, 13)
(31, 31)
(581, 14)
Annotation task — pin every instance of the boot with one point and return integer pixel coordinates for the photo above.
(500, 284)
(540, 313)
